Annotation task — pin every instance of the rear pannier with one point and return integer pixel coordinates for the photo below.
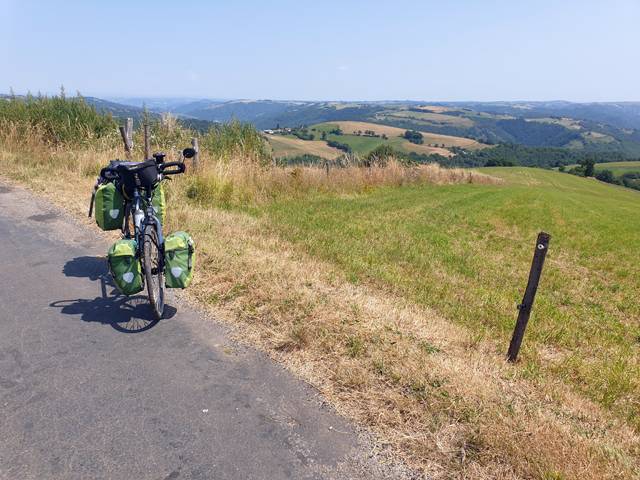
(109, 207)
(125, 266)
(179, 257)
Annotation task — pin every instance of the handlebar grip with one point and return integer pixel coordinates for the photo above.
(164, 168)
(108, 173)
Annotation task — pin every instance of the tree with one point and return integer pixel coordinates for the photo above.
(413, 136)
(589, 166)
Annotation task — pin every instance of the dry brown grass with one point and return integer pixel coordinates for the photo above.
(236, 182)
(441, 396)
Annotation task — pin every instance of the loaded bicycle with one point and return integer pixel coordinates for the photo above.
(129, 196)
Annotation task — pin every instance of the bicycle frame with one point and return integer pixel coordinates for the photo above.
(141, 218)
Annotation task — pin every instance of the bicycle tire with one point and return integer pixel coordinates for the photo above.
(154, 277)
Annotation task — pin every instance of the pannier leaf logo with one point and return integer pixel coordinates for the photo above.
(114, 213)
(128, 277)
(176, 272)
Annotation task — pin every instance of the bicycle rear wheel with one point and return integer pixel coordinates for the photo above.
(152, 270)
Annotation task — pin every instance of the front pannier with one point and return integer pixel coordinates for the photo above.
(179, 256)
(159, 202)
(109, 207)
(125, 266)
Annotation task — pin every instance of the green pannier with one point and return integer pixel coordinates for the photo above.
(109, 207)
(125, 266)
(159, 202)
(179, 256)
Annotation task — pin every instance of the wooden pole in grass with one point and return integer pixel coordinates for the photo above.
(130, 132)
(196, 157)
(125, 140)
(147, 146)
(540, 253)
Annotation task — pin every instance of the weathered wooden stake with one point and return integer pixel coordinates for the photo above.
(130, 132)
(542, 245)
(125, 140)
(326, 167)
(147, 147)
(196, 157)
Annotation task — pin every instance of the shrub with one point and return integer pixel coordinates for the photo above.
(305, 159)
(59, 120)
(340, 146)
(380, 156)
(606, 176)
(499, 162)
(303, 134)
(236, 139)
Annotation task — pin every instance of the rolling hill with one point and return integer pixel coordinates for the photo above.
(594, 128)
(601, 127)
(362, 144)
(289, 146)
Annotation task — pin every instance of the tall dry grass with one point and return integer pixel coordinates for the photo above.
(228, 176)
(441, 397)
(239, 182)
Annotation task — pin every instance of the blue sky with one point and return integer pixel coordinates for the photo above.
(330, 50)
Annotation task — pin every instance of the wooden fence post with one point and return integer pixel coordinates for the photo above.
(540, 253)
(130, 132)
(125, 140)
(196, 157)
(147, 147)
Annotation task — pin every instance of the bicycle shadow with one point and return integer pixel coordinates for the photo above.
(126, 314)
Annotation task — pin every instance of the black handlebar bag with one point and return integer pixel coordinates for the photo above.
(142, 175)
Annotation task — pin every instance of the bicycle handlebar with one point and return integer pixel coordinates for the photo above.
(109, 173)
(165, 168)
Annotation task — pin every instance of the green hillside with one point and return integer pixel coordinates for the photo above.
(619, 168)
(465, 250)
(362, 144)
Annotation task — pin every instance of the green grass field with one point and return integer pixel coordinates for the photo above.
(465, 251)
(619, 168)
(362, 145)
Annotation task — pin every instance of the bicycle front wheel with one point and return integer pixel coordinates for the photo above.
(152, 270)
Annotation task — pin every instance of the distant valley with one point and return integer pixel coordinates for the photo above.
(546, 133)
(588, 127)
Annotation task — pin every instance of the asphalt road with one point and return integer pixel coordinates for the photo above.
(90, 388)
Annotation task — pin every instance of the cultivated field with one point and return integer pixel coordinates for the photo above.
(430, 118)
(619, 168)
(362, 145)
(289, 146)
(569, 123)
(433, 138)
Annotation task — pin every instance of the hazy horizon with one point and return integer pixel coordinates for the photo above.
(462, 51)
